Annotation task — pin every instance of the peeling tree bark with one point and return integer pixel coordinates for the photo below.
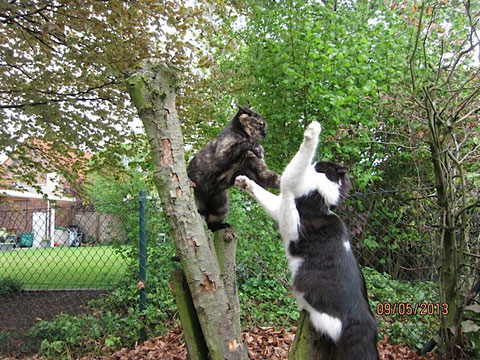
(153, 91)
(225, 242)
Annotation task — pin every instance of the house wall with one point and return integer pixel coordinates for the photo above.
(16, 214)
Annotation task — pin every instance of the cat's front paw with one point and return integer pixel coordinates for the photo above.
(244, 183)
(312, 131)
(258, 151)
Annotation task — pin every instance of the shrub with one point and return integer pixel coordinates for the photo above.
(415, 329)
(69, 336)
(9, 287)
(114, 321)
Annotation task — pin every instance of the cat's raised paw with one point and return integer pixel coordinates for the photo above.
(312, 131)
(244, 183)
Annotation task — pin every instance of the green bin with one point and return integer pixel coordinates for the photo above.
(26, 240)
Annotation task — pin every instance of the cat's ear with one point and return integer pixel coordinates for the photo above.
(342, 171)
(244, 120)
(242, 109)
(241, 112)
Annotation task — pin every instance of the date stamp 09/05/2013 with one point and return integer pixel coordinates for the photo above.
(387, 308)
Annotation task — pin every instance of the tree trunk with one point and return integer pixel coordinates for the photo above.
(225, 241)
(444, 183)
(192, 331)
(153, 91)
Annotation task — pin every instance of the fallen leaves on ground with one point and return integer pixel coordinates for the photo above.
(264, 343)
(268, 343)
(169, 347)
(396, 352)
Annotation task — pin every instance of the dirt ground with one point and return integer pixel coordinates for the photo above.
(20, 312)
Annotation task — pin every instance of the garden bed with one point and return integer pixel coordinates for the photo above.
(21, 311)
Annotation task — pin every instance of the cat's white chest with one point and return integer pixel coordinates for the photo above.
(289, 219)
(294, 263)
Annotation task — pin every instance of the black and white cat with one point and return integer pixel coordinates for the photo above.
(327, 280)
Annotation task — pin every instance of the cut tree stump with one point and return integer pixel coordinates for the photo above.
(196, 346)
(225, 246)
(308, 344)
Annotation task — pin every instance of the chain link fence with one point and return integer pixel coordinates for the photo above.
(53, 260)
(396, 236)
(58, 259)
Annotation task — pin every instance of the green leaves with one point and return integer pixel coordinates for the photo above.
(415, 330)
(313, 63)
(63, 68)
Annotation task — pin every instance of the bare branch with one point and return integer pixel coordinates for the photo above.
(46, 102)
(468, 208)
(79, 96)
(455, 92)
(469, 154)
(466, 102)
(11, 19)
(17, 67)
(470, 113)
(473, 30)
(415, 48)
(457, 60)
(80, 93)
(440, 60)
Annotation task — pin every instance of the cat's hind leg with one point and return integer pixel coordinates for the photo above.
(213, 208)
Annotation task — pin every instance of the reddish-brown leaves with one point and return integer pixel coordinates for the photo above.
(396, 352)
(264, 343)
(268, 343)
(168, 347)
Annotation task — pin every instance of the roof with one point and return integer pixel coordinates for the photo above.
(32, 195)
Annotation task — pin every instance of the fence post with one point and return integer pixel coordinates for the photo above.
(143, 262)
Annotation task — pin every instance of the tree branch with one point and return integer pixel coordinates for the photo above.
(39, 103)
(465, 102)
(67, 97)
(467, 208)
(415, 48)
(470, 113)
(10, 19)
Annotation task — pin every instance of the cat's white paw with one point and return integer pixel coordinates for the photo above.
(244, 183)
(312, 131)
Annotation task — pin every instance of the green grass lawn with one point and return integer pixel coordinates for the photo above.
(64, 268)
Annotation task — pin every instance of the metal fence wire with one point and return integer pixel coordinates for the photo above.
(55, 259)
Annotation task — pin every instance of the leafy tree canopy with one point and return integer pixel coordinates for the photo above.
(63, 64)
(345, 64)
